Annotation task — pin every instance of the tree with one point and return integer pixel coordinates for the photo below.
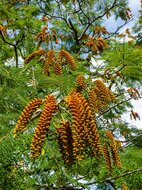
(61, 111)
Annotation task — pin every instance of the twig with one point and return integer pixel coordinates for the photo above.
(90, 23)
(113, 107)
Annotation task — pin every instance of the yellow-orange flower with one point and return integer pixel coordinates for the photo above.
(26, 115)
(42, 126)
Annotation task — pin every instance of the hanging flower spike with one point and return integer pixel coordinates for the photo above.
(77, 113)
(93, 101)
(124, 187)
(107, 157)
(80, 82)
(90, 128)
(57, 68)
(44, 33)
(55, 36)
(3, 30)
(85, 133)
(114, 150)
(42, 126)
(48, 61)
(134, 93)
(69, 58)
(26, 115)
(35, 54)
(65, 140)
(103, 42)
(103, 93)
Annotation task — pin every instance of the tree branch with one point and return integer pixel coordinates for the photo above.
(75, 31)
(6, 40)
(125, 174)
(90, 23)
(107, 110)
(118, 28)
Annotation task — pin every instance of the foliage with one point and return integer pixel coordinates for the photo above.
(61, 108)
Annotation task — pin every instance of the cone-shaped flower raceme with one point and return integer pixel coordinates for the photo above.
(100, 96)
(107, 157)
(57, 68)
(26, 115)
(93, 101)
(35, 54)
(42, 126)
(69, 58)
(80, 82)
(124, 187)
(114, 150)
(85, 133)
(48, 61)
(65, 140)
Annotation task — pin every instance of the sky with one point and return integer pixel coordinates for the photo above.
(112, 25)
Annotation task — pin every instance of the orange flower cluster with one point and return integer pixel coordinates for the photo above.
(107, 157)
(3, 30)
(85, 133)
(55, 36)
(69, 58)
(97, 44)
(100, 96)
(43, 36)
(102, 43)
(80, 82)
(26, 115)
(57, 62)
(35, 54)
(65, 140)
(100, 30)
(42, 126)
(134, 93)
(102, 87)
(93, 101)
(124, 187)
(57, 68)
(113, 149)
(134, 115)
(49, 61)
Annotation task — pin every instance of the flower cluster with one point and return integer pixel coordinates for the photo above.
(100, 96)
(113, 149)
(57, 62)
(93, 101)
(34, 55)
(107, 157)
(134, 93)
(69, 58)
(97, 44)
(26, 115)
(124, 187)
(42, 126)
(65, 140)
(49, 60)
(85, 133)
(98, 30)
(3, 30)
(134, 115)
(55, 36)
(57, 68)
(80, 82)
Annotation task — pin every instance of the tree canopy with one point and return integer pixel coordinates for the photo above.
(66, 81)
